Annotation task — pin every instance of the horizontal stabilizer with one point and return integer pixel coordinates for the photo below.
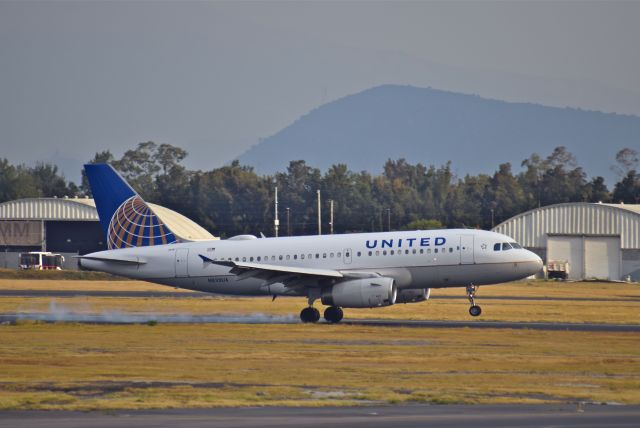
(110, 259)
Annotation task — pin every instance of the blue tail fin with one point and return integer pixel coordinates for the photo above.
(127, 221)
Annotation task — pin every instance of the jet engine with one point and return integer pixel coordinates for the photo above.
(413, 295)
(361, 293)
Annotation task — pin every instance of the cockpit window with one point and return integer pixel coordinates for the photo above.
(506, 246)
(516, 245)
(496, 247)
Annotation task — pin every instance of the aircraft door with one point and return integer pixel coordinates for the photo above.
(466, 250)
(182, 266)
(346, 256)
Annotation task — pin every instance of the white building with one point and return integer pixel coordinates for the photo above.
(600, 241)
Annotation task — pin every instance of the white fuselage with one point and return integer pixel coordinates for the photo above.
(414, 259)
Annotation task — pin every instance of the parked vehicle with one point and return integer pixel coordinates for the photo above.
(41, 260)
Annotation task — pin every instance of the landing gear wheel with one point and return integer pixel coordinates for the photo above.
(475, 310)
(310, 314)
(333, 314)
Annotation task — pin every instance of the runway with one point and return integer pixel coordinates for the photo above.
(116, 317)
(410, 416)
(199, 295)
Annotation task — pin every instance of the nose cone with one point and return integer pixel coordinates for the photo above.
(534, 263)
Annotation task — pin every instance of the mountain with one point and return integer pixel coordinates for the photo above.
(433, 126)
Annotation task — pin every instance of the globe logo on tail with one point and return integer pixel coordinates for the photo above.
(135, 225)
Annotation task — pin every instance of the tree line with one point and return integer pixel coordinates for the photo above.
(235, 200)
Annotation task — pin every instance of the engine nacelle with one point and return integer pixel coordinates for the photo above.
(413, 295)
(361, 293)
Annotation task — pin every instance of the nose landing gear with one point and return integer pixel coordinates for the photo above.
(474, 310)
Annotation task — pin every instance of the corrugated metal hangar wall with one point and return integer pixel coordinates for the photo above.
(600, 241)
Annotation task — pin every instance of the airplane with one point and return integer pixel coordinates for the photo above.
(358, 270)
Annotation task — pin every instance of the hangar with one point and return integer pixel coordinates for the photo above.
(599, 241)
(68, 226)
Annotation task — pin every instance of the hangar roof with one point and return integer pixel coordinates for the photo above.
(576, 218)
(84, 209)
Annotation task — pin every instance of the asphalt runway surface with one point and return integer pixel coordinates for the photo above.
(199, 295)
(450, 416)
(142, 318)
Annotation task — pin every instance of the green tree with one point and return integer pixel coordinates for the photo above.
(49, 182)
(506, 194)
(297, 190)
(423, 224)
(627, 190)
(16, 182)
(627, 160)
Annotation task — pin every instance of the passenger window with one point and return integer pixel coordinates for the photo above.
(324, 255)
(295, 257)
(496, 247)
(273, 258)
(451, 250)
(384, 252)
(435, 250)
(377, 252)
(258, 258)
(288, 256)
(429, 251)
(406, 251)
(391, 252)
(302, 256)
(331, 255)
(251, 259)
(370, 253)
(237, 259)
(317, 255)
(414, 251)
(340, 255)
(310, 256)
(359, 254)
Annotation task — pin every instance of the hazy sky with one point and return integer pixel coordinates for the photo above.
(215, 77)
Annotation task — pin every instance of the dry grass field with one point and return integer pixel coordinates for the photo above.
(80, 366)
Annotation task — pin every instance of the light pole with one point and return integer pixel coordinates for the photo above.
(276, 222)
(331, 215)
(319, 215)
(288, 223)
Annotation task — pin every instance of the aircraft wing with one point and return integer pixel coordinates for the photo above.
(242, 268)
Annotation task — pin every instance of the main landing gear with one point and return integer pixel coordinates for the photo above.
(310, 314)
(474, 310)
(332, 314)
